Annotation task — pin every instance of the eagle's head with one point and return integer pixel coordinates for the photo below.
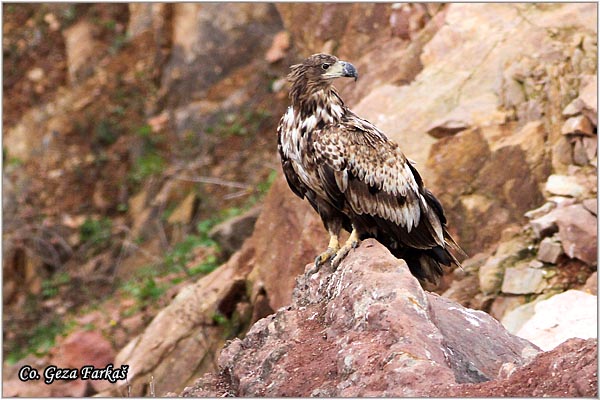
(316, 73)
(322, 68)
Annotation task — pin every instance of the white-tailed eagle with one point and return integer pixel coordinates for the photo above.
(355, 177)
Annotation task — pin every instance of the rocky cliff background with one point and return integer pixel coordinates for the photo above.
(139, 154)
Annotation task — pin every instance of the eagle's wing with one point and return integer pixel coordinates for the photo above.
(362, 170)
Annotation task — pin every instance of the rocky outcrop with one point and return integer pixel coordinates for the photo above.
(555, 251)
(369, 329)
(570, 370)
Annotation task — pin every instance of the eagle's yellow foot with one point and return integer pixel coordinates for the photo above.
(328, 254)
(350, 244)
(325, 256)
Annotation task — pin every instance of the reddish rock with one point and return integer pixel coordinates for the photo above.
(577, 232)
(570, 370)
(367, 329)
(84, 348)
(279, 47)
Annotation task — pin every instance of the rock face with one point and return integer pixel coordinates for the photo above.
(570, 370)
(367, 329)
(232, 233)
(572, 314)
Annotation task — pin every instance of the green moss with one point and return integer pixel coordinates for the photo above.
(209, 264)
(146, 166)
(240, 123)
(95, 232)
(105, 132)
(51, 287)
(40, 340)
(145, 290)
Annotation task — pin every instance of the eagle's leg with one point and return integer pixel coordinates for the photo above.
(351, 243)
(332, 249)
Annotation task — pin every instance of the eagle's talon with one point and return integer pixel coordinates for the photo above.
(351, 243)
(322, 258)
(339, 257)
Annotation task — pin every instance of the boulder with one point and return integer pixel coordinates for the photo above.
(366, 329)
(541, 211)
(577, 233)
(85, 348)
(514, 319)
(550, 250)
(569, 370)
(231, 234)
(563, 185)
(523, 279)
(590, 146)
(571, 314)
(492, 272)
(591, 284)
(544, 226)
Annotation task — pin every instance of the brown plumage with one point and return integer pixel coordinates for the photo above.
(355, 177)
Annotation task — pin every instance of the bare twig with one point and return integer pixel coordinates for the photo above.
(237, 194)
(214, 181)
(152, 393)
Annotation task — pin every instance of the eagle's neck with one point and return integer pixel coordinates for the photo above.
(323, 104)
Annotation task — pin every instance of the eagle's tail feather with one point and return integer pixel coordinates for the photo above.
(427, 265)
(423, 264)
(456, 249)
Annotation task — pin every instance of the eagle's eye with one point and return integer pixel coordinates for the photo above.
(325, 66)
